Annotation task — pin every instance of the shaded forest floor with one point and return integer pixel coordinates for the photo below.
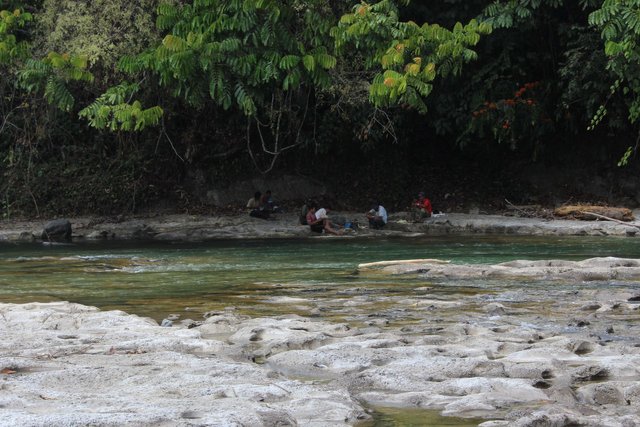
(463, 181)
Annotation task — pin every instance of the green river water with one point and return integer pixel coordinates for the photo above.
(311, 277)
(186, 278)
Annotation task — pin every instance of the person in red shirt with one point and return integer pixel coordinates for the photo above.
(422, 207)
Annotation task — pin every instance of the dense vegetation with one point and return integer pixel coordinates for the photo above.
(111, 106)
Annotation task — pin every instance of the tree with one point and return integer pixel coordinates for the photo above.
(410, 55)
(102, 31)
(619, 22)
(537, 81)
(13, 50)
(262, 58)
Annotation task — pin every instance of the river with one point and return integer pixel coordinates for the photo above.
(311, 277)
(152, 279)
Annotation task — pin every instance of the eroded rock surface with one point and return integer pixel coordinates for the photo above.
(553, 355)
(592, 269)
(67, 364)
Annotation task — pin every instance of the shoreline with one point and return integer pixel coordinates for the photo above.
(199, 228)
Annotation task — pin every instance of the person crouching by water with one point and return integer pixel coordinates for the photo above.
(319, 221)
(377, 216)
(256, 209)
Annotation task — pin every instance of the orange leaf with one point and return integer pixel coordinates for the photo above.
(7, 371)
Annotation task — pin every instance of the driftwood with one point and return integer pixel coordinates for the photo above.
(612, 219)
(590, 213)
(523, 210)
(402, 261)
(528, 211)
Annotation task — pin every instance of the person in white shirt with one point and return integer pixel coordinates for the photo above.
(254, 202)
(377, 216)
(321, 213)
(255, 207)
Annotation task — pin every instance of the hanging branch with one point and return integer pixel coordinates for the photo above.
(5, 116)
(6, 123)
(387, 127)
(276, 116)
(163, 132)
(516, 208)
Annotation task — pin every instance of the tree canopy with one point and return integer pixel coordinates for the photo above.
(268, 78)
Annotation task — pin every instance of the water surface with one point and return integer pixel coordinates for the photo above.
(155, 279)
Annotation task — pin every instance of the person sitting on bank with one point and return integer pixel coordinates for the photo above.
(268, 204)
(422, 207)
(256, 209)
(319, 221)
(377, 216)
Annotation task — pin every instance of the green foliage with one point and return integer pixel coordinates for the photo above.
(52, 76)
(506, 14)
(410, 55)
(10, 47)
(273, 74)
(511, 13)
(237, 53)
(624, 160)
(535, 41)
(597, 117)
(619, 23)
(584, 80)
(100, 30)
(114, 111)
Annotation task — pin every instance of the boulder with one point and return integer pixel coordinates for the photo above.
(58, 230)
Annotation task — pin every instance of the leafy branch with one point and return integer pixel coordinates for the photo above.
(114, 110)
(408, 56)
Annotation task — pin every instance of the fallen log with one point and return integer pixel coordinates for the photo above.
(591, 213)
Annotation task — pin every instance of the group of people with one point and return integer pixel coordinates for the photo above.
(318, 220)
(421, 209)
(262, 206)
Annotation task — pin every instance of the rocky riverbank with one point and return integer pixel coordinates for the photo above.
(556, 355)
(203, 228)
